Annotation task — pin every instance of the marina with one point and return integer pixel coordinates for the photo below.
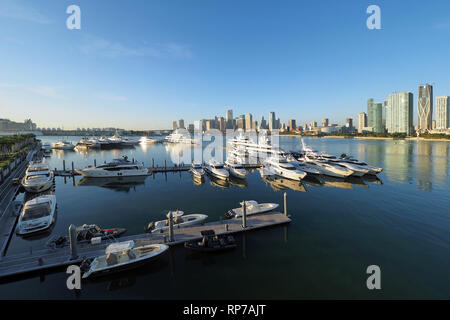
(293, 242)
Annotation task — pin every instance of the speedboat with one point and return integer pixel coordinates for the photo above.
(147, 140)
(372, 169)
(46, 147)
(121, 256)
(358, 170)
(217, 170)
(179, 221)
(197, 170)
(38, 182)
(178, 136)
(303, 166)
(281, 167)
(211, 242)
(88, 143)
(251, 207)
(37, 167)
(37, 215)
(63, 145)
(236, 169)
(118, 167)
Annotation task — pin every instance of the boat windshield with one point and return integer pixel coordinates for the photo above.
(217, 166)
(36, 211)
(40, 168)
(287, 166)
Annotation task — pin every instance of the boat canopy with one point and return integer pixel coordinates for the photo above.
(119, 247)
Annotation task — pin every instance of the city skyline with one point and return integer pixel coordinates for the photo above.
(133, 67)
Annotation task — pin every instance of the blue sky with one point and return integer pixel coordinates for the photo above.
(141, 64)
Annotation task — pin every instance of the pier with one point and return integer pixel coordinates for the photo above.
(49, 258)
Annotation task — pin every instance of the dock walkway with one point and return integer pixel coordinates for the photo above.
(44, 259)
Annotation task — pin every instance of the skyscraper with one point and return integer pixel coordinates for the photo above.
(362, 121)
(399, 113)
(349, 123)
(425, 107)
(442, 112)
(272, 121)
(181, 124)
(263, 124)
(325, 122)
(292, 125)
(174, 125)
(248, 121)
(375, 116)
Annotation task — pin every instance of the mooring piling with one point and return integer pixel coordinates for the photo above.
(244, 214)
(73, 242)
(285, 204)
(170, 226)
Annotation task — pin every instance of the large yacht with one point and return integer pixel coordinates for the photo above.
(217, 170)
(88, 143)
(236, 168)
(63, 145)
(179, 137)
(281, 167)
(118, 167)
(37, 215)
(252, 148)
(327, 168)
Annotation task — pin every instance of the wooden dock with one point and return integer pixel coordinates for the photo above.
(48, 258)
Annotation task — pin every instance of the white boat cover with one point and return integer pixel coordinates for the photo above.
(119, 247)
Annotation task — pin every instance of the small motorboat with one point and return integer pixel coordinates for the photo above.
(197, 170)
(251, 207)
(211, 242)
(37, 215)
(217, 170)
(121, 256)
(63, 145)
(179, 221)
(38, 182)
(236, 169)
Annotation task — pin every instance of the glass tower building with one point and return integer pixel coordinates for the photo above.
(399, 113)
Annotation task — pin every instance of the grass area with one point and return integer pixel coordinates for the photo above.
(13, 139)
(7, 141)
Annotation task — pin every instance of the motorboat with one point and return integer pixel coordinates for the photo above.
(88, 143)
(280, 166)
(358, 170)
(87, 232)
(63, 145)
(251, 207)
(118, 167)
(46, 147)
(37, 167)
(211, 242)
(37, 215)
(236, 169)
(38, 182)
(217, 170)
(179, 221)
(197, 170)
(121, 256)
(254, 148)
(119, 183)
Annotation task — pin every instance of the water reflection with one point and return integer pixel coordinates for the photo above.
(119, 184)
(279, 183)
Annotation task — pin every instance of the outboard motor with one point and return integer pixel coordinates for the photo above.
(150, 227)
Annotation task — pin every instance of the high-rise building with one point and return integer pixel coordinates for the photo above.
(375, 116)
(181, 124)
(425, 107)
(263, 124)
(399, 113)
(278, 123)
(362, 121)
(241, 123)
(349, 123)
(198, 125)
(313, 124)
(292, 125)
(442, 112)
(248, 121)
(272, 121)
(325, 122)
(229, 115)
(174, 125)
(222, 124)
(255, 125)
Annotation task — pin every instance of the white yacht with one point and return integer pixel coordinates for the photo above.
(251, 207)
(179, 221)
(252, 148)
(122, 256)
(329, 169)
(303, 166)
(358, 170)
(37, 215)
(280, 166)
(179, 137)
(38, 182)
(217, 170)
(147, 140)
(88, 143)
(63, 145)
(118, 167)
(236, 168)
(197, 170)
(372, 169)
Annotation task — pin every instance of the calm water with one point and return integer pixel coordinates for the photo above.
(400, 222)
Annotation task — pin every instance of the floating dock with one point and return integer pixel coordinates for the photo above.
(49, 258)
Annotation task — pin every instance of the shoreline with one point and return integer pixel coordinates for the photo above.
(373, 138)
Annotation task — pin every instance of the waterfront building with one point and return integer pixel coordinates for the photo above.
(442, 112)
(313, 124)
(399, 113)
(174, 125)
(425, 107)
(198, 125)
(241, 123)
(349, 123)
(263, 124)
(325, 122)
(27, 125)
(255, 125)
(362, 121)
(375, 115)
(181, 124)
(221, 122)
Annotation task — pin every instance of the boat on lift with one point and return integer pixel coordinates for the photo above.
(251, 207)
(179, 221)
